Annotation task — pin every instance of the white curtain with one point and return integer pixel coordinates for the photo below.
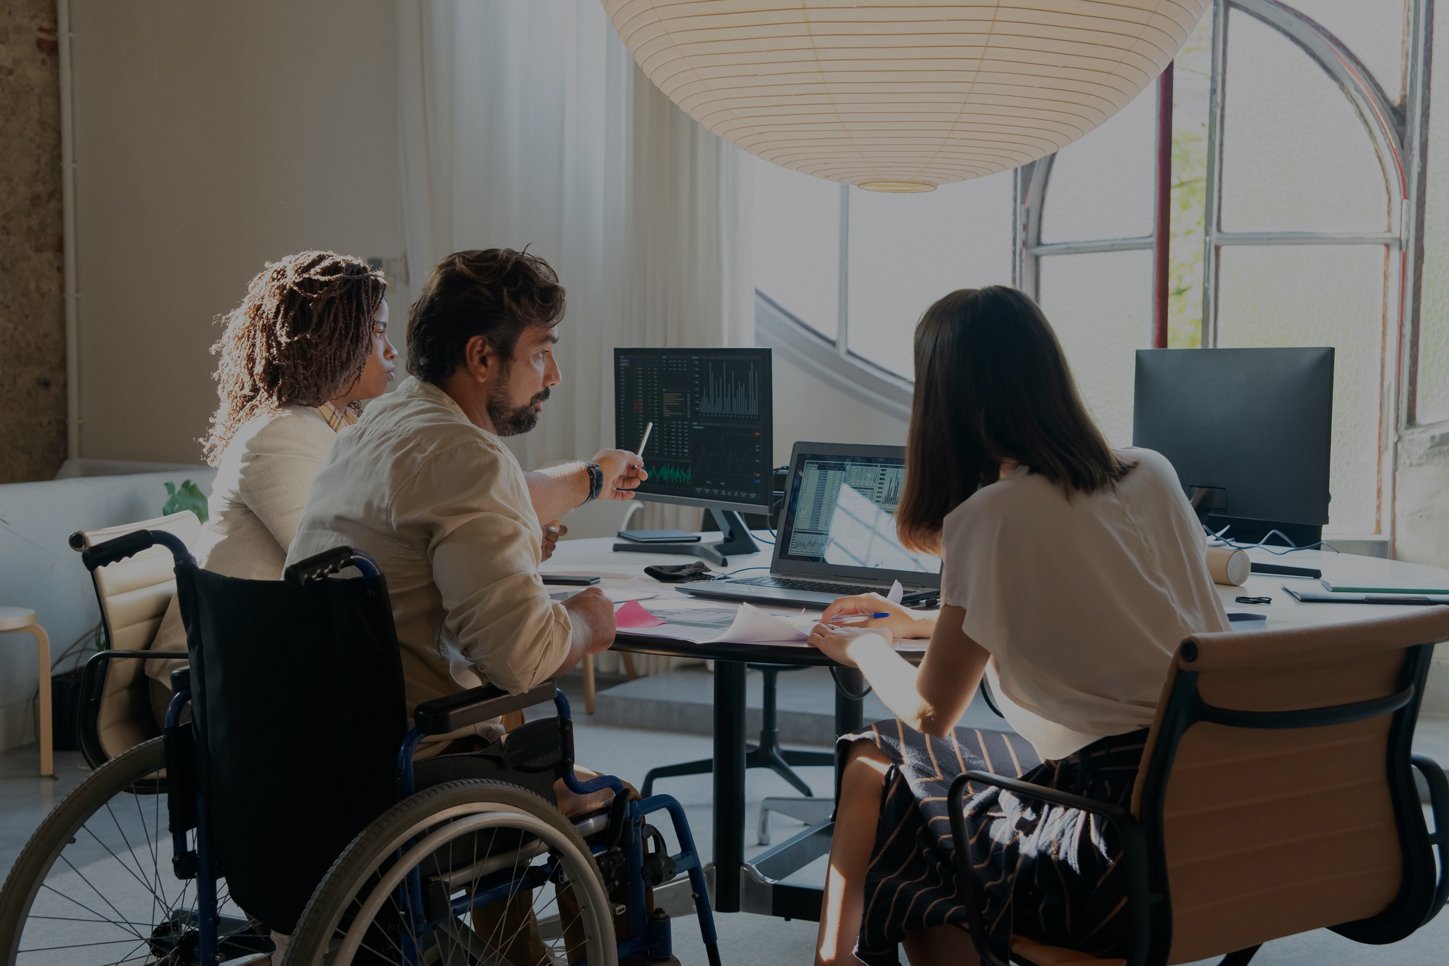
(527, 123)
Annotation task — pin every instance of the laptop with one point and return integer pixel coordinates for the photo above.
(837, 533)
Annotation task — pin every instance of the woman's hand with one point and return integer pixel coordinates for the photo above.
(552, 530)
(899, 624)
(842, 644)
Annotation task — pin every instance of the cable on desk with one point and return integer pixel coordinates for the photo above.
(740, 570)
(1263, 543)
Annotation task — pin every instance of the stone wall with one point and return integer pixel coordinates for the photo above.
(32, 280)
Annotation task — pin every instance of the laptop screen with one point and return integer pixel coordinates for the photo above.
(839, 518)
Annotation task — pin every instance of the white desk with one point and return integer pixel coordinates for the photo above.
(1341, 568)
(758, 886)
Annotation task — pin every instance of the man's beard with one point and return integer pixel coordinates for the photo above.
(512, 420)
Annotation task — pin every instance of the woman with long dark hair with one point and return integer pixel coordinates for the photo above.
(1070, 573)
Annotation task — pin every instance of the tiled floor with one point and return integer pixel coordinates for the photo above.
(746, 940)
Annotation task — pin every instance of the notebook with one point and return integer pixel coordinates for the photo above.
(837, 533)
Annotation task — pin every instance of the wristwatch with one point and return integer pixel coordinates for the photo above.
(596, 481)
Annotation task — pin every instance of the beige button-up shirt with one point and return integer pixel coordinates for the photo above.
(443, 507)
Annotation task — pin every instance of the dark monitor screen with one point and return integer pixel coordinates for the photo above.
(711, 444)
(1248, 431)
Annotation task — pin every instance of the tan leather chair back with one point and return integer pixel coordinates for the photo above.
(133, 595)
(1270, 831)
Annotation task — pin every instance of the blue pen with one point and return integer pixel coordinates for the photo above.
(857, 618)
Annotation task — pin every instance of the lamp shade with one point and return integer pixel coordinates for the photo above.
(902, 96)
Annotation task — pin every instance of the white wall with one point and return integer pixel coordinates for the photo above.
(209, 139)
(809, 409)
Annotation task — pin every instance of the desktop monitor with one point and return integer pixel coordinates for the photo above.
(1248, 431)
(711, 444)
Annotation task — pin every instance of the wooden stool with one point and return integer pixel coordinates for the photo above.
(23, 620)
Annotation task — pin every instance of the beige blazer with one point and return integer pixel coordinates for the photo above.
(256, 503)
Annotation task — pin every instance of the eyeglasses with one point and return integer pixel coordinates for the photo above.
(1253, 600)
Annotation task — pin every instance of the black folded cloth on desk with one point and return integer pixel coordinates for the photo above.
(680, 573)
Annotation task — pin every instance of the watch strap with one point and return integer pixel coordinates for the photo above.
(596, 480)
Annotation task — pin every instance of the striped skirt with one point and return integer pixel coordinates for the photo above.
(1042, 871)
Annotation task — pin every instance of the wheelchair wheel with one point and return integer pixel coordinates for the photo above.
(94, 883)
(468, 872)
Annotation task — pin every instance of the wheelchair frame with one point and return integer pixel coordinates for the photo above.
(624, 849)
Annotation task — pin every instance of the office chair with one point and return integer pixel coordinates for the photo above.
(1276, 796)
(133, 595)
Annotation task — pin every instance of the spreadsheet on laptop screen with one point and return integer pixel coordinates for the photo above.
(844, 515)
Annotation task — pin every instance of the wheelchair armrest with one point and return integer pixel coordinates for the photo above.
(474, 706)
(1439, 808)
(1134, 858)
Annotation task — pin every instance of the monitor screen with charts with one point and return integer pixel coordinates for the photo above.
(711, 412)
(837, 534)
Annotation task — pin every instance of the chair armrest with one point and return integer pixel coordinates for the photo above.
(1439, 838)
(1134, 858)
(92, 685)
(474, 706)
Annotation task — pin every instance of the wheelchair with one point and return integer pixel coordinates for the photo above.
(292, 804)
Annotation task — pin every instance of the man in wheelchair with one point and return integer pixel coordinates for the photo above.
(426, 487)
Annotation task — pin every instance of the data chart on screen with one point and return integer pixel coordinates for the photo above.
(711, 415)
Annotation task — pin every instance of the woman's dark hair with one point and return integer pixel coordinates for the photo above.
(992, 385)
(494, 293)
(300, 337)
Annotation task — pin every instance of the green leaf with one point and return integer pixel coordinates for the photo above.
(187, 496)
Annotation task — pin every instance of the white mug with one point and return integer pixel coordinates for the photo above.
(1228, 565)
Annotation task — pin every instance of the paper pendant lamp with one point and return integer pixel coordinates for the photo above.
(902, 96)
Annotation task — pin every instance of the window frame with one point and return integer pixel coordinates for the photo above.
(1399, 138)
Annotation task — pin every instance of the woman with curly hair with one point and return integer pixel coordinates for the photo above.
(299, 355)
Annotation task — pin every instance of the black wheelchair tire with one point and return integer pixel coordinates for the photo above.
(69, 824)
(447, 809)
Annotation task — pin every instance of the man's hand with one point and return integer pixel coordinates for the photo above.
(552, 530)
(592, 615)
(623, 472)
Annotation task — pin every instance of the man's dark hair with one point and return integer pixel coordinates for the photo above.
(494, 292)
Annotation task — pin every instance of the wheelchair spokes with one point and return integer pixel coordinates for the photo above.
(94, 885)
(472, 872)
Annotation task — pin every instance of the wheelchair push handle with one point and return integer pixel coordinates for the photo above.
(128, 545)
(329, 562)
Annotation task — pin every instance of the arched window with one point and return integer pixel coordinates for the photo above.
(1297, 129)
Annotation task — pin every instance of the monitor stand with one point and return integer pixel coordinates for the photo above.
(737, 540)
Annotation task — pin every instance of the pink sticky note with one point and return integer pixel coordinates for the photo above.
(634, 614)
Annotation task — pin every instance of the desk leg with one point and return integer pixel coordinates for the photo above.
(849, 711)
(729, 783)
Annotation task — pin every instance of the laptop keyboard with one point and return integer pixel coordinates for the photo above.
(795, 583)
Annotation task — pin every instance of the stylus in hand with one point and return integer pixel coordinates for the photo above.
(648, 428)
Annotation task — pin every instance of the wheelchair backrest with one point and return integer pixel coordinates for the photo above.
(297, 702)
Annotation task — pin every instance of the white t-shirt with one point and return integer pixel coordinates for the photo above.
(1082, 602)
